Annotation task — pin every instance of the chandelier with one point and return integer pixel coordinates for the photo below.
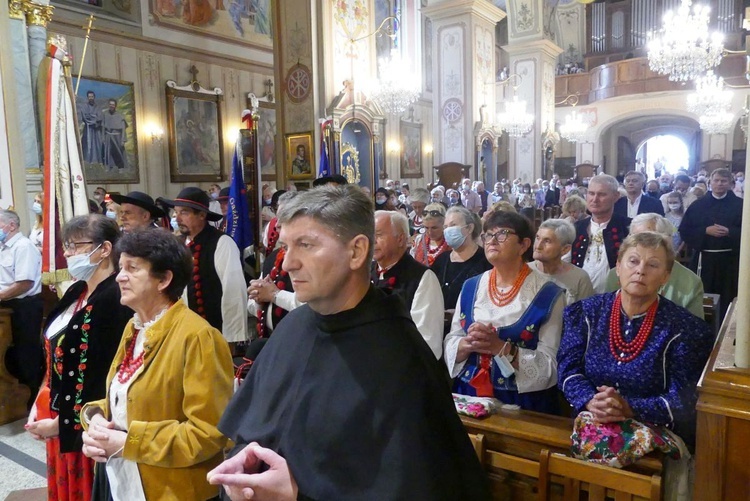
(515, 120)
(574, 129)
(684, 50)
(710, 95)
(397, 86)
(720, 122)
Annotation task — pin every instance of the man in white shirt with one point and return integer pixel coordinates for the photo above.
(635, 202)
(20, 290)
(394, 269)
(554, 239)
(217, 289)
(598, 237)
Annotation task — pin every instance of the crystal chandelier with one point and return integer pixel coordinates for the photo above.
(684, 50)
(720, 122)
(397, 86)
(514, 119)
(574, 129)
(710, 95)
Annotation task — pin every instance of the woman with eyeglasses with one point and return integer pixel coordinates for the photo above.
(431, 243)
(81, 336)
(465, 260)
(506, 328)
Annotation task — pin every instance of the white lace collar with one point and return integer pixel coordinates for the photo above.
(138, 325)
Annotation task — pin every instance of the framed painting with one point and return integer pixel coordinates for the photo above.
(107, 127)
(298, 156)
(267, 140)
(411, 158)
(195, 135)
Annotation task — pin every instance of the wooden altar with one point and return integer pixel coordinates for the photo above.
(13, 395)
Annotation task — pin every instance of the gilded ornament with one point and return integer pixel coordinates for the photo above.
(15, 9)
(37, 15)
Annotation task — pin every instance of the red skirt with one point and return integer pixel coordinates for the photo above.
(70, 476)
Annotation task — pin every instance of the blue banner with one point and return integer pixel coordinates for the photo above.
(238, 215)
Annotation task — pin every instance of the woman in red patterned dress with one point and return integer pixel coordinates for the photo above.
(81, 335)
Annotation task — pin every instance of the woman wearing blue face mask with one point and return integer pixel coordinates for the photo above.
(36, 234)
(81, 336)
(465, 260)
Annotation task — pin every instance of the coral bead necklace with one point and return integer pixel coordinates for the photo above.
(626, 351)
(504, 298)
(129, 364)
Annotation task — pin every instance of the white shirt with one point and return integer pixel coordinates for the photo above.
(573, 279)
(596, 263)
(428, 311)
(633, 207)
(20, 260)
(233, 290)
(537, 369)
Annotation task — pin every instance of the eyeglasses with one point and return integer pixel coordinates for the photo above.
(435, 213)
(73, 246)
(499, 236)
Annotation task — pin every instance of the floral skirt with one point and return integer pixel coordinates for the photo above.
(70, 475)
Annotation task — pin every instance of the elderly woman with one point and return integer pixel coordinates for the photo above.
(81, 337)
(574, 208)
(430, 244)
(465, 260)
(633, 353)
(419, 199)
(506, 328)
(167, 388)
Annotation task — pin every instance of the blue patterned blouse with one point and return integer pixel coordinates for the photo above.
(659, 384)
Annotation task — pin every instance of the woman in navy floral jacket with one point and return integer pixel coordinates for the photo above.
(633, 353)
(81, 335)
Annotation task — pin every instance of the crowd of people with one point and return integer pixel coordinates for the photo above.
(364, 307)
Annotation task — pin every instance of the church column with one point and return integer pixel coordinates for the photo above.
(532, 56)
(742, 315)
(464, 74)
(295, 41)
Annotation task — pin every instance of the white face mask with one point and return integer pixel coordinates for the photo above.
(676, 206)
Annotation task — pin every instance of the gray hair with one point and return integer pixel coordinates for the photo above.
(345, 210)
(97, 228)
(437, 189)
(649, 240)
(10, 216)
(606, 180)
(431, 209)
(420, 195)
(287, 196)
(574, 202)
(468, 218)
(661, 224)
(564, 230)
(399, 222)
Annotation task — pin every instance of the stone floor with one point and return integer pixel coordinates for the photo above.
(22, 463)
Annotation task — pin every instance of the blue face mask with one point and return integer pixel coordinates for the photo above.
(454, 237)
(37, 208)
(111, 214)
(173, 222)
(80, 266)
(3, 235)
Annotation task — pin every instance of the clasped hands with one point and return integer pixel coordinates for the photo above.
(482, 338)
(717, 230)
(608, 406)
(263, 290)
(43, 428)
(102, 441)
(240, 478)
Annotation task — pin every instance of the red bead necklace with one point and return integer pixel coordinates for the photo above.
(130, 365)
(276, 274)
(627, 351)
(505, 298)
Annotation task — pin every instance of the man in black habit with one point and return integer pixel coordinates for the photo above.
(711, 226)
(346, 401)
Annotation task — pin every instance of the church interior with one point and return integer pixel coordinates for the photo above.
(424, 92)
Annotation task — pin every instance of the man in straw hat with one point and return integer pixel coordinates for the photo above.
(216, 290)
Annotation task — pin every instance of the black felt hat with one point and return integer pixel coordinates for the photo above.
(195, 198)
(140, 199)
(223, 195)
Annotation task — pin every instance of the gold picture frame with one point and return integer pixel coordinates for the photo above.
(299, 156)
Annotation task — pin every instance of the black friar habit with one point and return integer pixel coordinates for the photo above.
(358, 408)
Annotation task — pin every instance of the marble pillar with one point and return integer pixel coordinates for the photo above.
(742, 339)
(24, 93)
(463, 75)
(38, 15)
(532, 55)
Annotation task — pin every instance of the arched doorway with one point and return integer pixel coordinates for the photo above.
(663, 154)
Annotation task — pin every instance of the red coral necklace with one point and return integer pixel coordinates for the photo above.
(504, 298)
(129, 364)
(626, 351)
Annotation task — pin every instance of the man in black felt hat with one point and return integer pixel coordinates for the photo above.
(137, 210)
(223, 200)
(217, 289)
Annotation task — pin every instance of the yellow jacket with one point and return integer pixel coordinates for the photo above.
(174, 405)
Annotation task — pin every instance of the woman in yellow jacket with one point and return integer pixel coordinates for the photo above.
(154, 435)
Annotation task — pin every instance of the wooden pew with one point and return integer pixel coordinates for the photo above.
(13, 395)
(512, 442)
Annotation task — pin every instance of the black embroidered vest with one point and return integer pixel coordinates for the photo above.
(402, 278)
(204, 289)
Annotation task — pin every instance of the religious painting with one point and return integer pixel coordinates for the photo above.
(299, 156)
(411, 149)
(350, 163)
(195, 136)
(248, 22)
(267, 140)
(107, 128)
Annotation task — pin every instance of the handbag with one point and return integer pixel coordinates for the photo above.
(622, 443)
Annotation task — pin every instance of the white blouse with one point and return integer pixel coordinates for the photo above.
(537, 369)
